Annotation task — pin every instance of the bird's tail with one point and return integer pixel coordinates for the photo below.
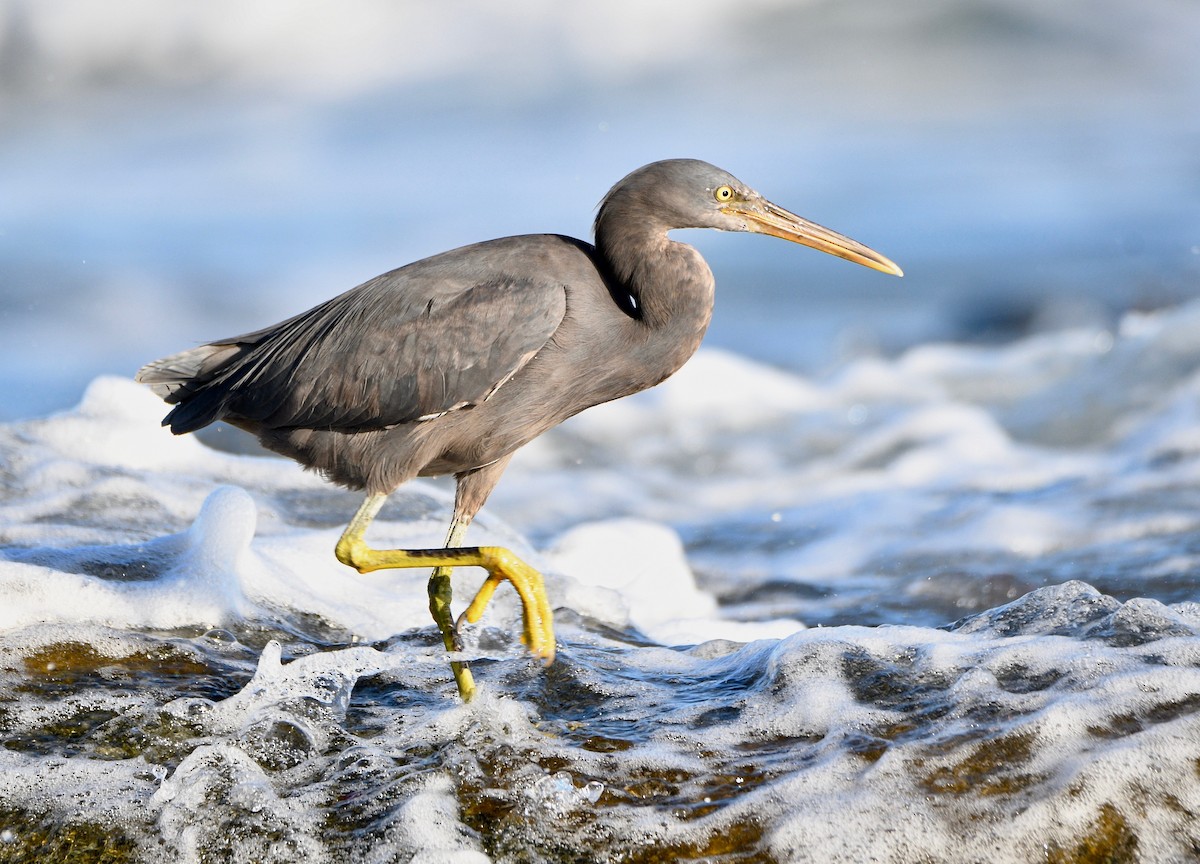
(183, 376)
(185, 370)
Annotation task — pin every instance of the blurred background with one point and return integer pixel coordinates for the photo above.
(176, 172)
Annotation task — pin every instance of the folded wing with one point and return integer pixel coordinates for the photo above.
(401, 348)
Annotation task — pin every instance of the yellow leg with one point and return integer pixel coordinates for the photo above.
(501, 564)
(440, 595)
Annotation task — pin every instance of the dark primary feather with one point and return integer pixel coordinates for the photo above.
(410, 344)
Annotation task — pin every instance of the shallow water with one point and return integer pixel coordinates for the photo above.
(1028, 687)
(1060, 728)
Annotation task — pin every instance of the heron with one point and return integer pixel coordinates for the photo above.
(448, 365)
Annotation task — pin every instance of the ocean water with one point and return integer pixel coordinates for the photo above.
(892, 570)
(903, 614)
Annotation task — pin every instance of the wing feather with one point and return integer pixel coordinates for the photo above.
(409, 345)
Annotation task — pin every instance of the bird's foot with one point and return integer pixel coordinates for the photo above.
(502, 566)
(538, 620)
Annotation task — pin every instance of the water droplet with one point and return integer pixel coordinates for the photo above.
(592, 791)
(221, 636)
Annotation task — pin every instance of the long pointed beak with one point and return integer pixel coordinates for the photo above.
(763, 217)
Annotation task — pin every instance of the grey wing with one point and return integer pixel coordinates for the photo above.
(394, 350)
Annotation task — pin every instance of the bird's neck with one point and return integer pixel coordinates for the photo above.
(668, 285)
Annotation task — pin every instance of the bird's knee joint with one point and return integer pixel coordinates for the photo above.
(347, 551)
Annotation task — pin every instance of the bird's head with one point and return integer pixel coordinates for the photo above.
(688, 193)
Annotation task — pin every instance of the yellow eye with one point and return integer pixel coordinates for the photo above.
(723, 193)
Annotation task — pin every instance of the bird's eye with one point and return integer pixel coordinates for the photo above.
(723, 193)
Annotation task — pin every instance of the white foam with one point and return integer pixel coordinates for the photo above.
(914, 491)
(225, 772)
